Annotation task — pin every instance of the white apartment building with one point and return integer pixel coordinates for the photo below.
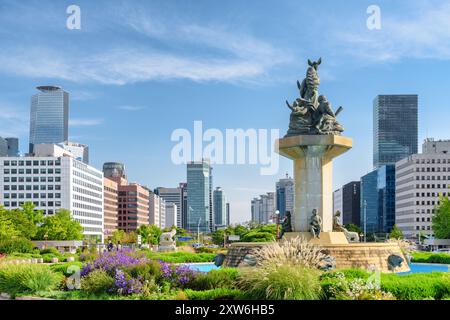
(53, 181)
(157, 210)
(420, 180)
(171, 215)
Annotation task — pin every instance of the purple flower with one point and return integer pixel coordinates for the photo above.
(126, 285)
(110, 261)
(178, 275)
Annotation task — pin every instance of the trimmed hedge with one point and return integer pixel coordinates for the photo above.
(430, 257)
(19, 245)
(180, 257)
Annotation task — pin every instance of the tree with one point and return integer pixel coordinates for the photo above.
(353, 228)
(150, 233)
(218, 237)
(396, 233)
(117, 235)
(441, 219)
(60, 226)
(7, 229)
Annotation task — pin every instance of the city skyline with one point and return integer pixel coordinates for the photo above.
(243, 71)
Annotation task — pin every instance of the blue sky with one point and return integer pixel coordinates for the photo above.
(137, 70)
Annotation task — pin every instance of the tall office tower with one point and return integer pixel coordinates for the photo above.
(420, 180)
(133, 205)
(171, 215)
(395, 128)
(211, 202)
(111, 205)
(13, 147)
(184, 206)
(351, 203)
(255, 210)
(220, 208)
(80, 151)
(199, 196)
(377, 207)
(3, 147)
(228, 214)
(53, 179)
(173, 195)
(337, 202)
(285, 196)
(49, 116)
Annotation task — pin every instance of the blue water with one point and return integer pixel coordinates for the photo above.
(202, 267)
(426, 268)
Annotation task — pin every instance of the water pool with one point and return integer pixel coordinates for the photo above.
(426, 268)
(202, 267)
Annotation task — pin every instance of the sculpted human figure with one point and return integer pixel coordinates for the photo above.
(338, 227)
(287, 224)
(316, 224)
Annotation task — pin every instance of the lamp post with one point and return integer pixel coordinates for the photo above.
(365, 220)
(277, 217)
(45, 238)
(198, 230)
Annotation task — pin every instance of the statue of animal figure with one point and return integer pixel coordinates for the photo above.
(168, 236)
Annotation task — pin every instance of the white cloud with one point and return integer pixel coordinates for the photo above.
(131, 108)
(13, 122)
(85, 122)
(423, 33)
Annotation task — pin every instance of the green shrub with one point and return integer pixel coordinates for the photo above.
(97, 281)
(27, 278)
(429, 257)
(180, 257)
(147, 271)
(221, 278)
(19, 245)
(50, 250)
(280, 282)
(63, 268)
(417, 286)
(214, 294)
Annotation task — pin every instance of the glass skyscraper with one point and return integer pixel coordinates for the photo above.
(220, 208)
(199, 196)
(395, 128)
(49, 116)
(285, 196)
(377, 212)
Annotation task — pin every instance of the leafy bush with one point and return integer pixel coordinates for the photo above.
(27, 278)
(98, 281)
(221, 278)
(179, 257)
(63, 268)
(280, 282)
(417, 286)
(214, 294)
(145, 271)
(19, 245)
(50, 250)
(110, 261)
(178, 276)
(429, 257)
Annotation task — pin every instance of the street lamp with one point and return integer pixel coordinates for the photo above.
(45, 238)
(277, 216)
(198, 230)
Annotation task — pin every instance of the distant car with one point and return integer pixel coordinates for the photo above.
(197, 245)
(213, 246)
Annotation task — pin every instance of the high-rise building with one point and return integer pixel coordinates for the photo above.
(337, 202)
(184, 206)
(395, 128)
(49, 116)
(228, 214)
(157, 210)
(133, 206)
(171, 215)
(420, 180)
(199, 202)
(3, 147)
(173, 195)
(263, 208)
(377, 207)
(285, 196)
(80, 151)
(220, 208)
(351, 203)
(53, 181)
(111, 205)
(114, 170)
(13, 147)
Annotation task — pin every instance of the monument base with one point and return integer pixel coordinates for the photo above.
(325, 237)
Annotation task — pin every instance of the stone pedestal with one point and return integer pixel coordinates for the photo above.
(313, 156)
(325, 237)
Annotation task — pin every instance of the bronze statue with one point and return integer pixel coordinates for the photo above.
(311, 113)
(286, 225)
(316, 224)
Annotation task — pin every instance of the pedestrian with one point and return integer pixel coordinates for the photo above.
(110, 246)
(119, 246)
